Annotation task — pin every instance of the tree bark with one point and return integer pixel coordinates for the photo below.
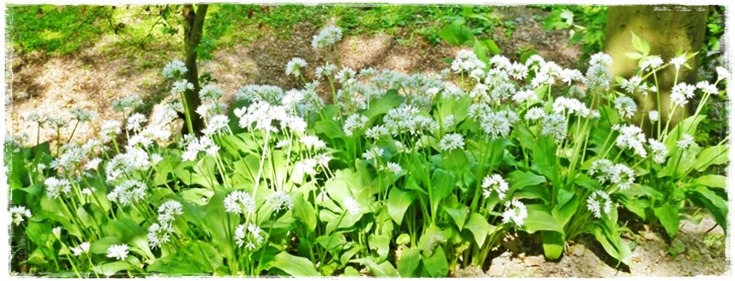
(668, 29)
(193, 30)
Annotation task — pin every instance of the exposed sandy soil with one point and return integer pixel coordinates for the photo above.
(96, 76)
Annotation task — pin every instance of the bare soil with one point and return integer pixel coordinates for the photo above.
(95, 76)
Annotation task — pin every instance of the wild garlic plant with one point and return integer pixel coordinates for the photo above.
(402, 175)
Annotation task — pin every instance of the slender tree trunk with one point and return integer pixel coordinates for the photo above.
(668, 29)
(193, 30)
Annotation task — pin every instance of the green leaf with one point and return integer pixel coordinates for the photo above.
(668, 215)
(714, 155)
(712, 181)
(294, 266)
(640, 44)
(409, 262)
(518, 180)
(304, 212)
(480, 228)
(437, 264)
(456, 34)
(100, 246)
(553, 243)
(381, 245)
(403, 239)
(332, 242)
(716, 205)
(384, 269)
(174, 264)
(432, 237)
(458, 215)
(208, 258)
(109, 269)
(564, 213)
(383, 104)
(634, 55)
(398, 202)
(540, 219)
(442, 184)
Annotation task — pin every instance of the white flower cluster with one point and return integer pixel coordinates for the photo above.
(280, 201)
(83, 115)
(598, 203)
(160, 233)
(353, 123)
(250, 236)
(180, 86)
(631, 137)
(18, 212)
(128, 192)
(327, 37)
(681, 93)
(126, 103)
(618, 174)
(407, 119)
(82, 248)
(294, 66)
(238, 202)
(119, 252)
(351, 205)
(215, 124)
(685, 142)
(134, 159)
(658, 151)
(494, 183)
(451, 142)
(515, 211)
(625, 106)
(195, 145)
(554, 125)
(211, 92)
(174, 69)
(262, 116)
(56, 187)
(467, 61)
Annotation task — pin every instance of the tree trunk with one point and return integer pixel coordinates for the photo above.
(193, 30)
(668, 29)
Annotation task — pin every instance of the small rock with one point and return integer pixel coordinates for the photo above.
(533, 260)
(662, 253)
(578, 250)
(650, 236)
(495, 270)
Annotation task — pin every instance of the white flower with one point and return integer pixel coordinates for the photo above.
(88, 191)
(174, 69)
(600, 58)
(522, 96)
(685, 142)
(632, 84)
(376, 132)
(681, 93)
(135, 122)
(237, 200)
(535, 113)
(93, 164)
(249, 236)
(168, 210)
(159, 234)
(203, 144)
(283, 143)
(570, 106)
(373, 153)
(708, 88)
(83, 115)
(653, 116)
(327, 37)
(181, 86)
(625, 106)
(394, 168)
(632, 137)
(722, 74)
(622, 175)
(555, 125)
(495, 124)
(599, 202)
(57, 232)
(352, 207)
(515, 212)
(651, 62)
(345, 75)
(110, 129)
(598, 76)
(602, 168)
(55, 187)
(678, 61)
(658, 150)
(129, 101)
(280, 200)
(466, 61)
(313, 143)
(128, 192)
(156, 158)
(451, 142)
(353, 123)
(119, 252)
(294, 66)
(216, 123)
(211, 92)
(18, 212)
(81, 249)
(448, 121)
(494, 183)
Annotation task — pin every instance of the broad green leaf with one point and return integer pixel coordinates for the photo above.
(332, 242)
(437, 264)
(109, 269)
(100, 246)
(432, 237)
(540, 219)
(380, 244)
(564, 213)
(304, 212)
(479, 227)
(553, 243)
(714, 155)
(294, 266)
(458, 215)
(668, 215)
(640, 44)
(716, 205)
(208, 258)
(712, 181)
(195, 195)
(517, 180)
(455, 34)
(175, 264)
(398, 202)
(612, 243)
(409, 262)
(383, 104)
(384, 269)
(442, 185)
